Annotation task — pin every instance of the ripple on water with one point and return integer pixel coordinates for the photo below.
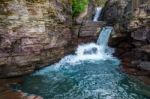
(88, 78)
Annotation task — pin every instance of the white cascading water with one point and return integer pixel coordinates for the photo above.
(104, 36)
(97, 13)
(84, 52)
(90, 51)
(99, 51)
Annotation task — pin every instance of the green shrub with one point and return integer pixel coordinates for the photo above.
(79, 6)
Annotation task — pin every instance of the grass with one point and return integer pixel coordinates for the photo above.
(78, 6)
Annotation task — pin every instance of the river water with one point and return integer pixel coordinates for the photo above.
(91, 73)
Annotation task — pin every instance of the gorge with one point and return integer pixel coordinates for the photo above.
(60, 36)
(89, 74)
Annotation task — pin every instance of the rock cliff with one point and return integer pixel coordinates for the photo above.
(33, 34)
(36, 33)
(131, 19)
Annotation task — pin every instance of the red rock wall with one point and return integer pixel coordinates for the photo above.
(33, 34)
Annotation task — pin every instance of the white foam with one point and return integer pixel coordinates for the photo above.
(73, 60)
(100, 54)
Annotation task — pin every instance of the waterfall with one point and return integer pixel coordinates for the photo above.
(104, 36)
(100, 50)
(97, 13)
(106, 31)
(91, 51)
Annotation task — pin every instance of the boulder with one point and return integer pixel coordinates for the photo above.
(145, 49)
(141, 34)
(114, 10)
(145, 65)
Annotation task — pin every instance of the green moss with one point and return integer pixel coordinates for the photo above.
(79, 6)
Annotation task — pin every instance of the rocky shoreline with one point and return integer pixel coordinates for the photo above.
(7, 93)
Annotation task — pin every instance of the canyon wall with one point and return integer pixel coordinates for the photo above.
(131, 20)
(37, 33)
(33, 34)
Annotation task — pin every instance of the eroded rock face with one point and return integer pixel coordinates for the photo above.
(33, 34)
(131, 21)
(141, 34)
(36, 33)
(144, 65)
(129, 14)
(114, 10)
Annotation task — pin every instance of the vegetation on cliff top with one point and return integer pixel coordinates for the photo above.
(79, 6)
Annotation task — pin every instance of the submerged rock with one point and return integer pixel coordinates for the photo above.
(91, 51)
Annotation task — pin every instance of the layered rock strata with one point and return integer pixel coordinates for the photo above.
(37, 33)
(131, 20)
(33, 34)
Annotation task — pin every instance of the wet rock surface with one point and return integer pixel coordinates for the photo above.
(131, 23)
(141, 34)
(144, 65)
(7, 93)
